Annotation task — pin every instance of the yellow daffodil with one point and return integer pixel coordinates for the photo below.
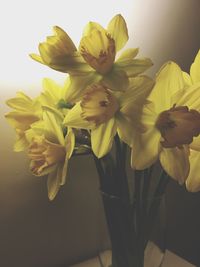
(106, 113)
(50, 151)
(26, 111)
(95, 60)
(172, 120)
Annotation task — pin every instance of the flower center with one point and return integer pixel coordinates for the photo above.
(98, 104)
(98, 50)
(44, 154)
(178, 126)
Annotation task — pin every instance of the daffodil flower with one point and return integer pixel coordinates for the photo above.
(193, 179)
(26, 111)
(105, 113)
(172, 120)
(95, 60)
(49, 151)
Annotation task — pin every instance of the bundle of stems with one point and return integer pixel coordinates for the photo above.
(131, 204)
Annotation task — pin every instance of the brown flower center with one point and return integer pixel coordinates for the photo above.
(99, 51)
(98, 104)
(178, 126)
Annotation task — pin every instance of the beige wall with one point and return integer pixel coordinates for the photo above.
(35, 232)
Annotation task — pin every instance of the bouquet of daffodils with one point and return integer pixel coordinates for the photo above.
(106, 106)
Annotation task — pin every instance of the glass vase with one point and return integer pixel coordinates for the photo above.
(134, 208)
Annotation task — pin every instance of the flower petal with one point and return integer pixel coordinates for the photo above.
(193, 180)
(70, 144)
(102, 137)
(77, 85)
(21, 143)
(191, 97)
(194, 69)
(133, 67)
(116, 80)
(169, 80)
(118, 30)
(74, 119)
(145, 149)
(53, 125)
(175, 162)
(21, 102)
(128, 54)
(92, 26)
(53, 182)
(195, 145)
(187, 78)
(124, 129)
(136, 94)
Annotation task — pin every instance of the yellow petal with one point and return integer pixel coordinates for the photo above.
(77, 84)
(191, 98)
(169, 80)
(53, 125)
(21, 143)
(195, 145)
(175, 162)
(70, 144)
(102, 138)
(128, 54)
(133, 67)
(92, 26)
(64, 39)
(53, 182)
(124, 129)
(21, 102)
(187, 78)
(21, 120)
(118, 30)
(136, 94)
(194, 69)
(52, 89)
(193, 180)
(145, 149)
(116, 80)
(37, 58)
(74, 119)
